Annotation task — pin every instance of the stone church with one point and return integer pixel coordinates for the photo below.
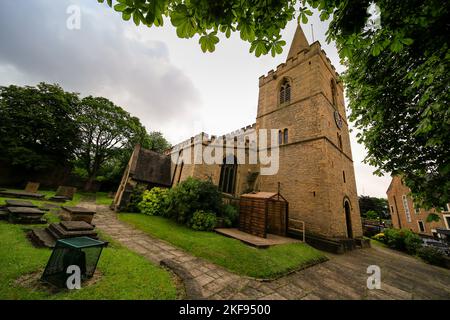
(304, 101)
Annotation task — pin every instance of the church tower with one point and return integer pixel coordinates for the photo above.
(304, 100)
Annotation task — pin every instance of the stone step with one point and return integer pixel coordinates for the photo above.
(20, 203)
(25, 211)
(60, 233)
(23, 219)
(42, 238)
(58, 199)
(76, 226)
(4, 214)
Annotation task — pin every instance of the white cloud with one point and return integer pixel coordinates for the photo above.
(169, 83)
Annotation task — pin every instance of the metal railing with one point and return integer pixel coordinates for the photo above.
(301, 229)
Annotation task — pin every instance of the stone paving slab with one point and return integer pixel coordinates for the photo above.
(252, 240)
(341, 277)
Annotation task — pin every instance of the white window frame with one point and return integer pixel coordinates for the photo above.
(423, 224)
(406, 207)
(445, 220)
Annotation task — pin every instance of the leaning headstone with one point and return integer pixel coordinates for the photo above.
(67, 192)
(32, 187)
(64, 193)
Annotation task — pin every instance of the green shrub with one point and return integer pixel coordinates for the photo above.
(403, 240)
(135, 199)
(154, 202)
(379, 237)
(229, 215)
(412, 242)
(203, 221)
(190, 196)
(432, 255)
(393, 239)
(372, 215)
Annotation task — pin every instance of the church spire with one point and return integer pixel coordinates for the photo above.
(298, 43)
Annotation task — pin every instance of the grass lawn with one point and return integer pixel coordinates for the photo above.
(226, 252)
(76, 198)
(101, 198)
(125, 275)
(377, 243)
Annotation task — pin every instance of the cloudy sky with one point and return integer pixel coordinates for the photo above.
(169, 83)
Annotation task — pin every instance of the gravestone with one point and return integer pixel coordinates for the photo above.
(20, 203)
(32, 187)
(4, 214)
(64, 193)
(21, 194)
(64, 230)
(25, 215)
(79, 214)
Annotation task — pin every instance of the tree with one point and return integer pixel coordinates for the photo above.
(397, 77)
(399, 100)
(377, 205)
(156, 142)
(106, 130)
(38, 129)
(372, 215)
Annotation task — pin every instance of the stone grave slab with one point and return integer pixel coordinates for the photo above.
(76, 225)
(79, 214)
(4, 214)
(64, 230)
(21, 194)
(25, 215)
(59, 232)
(25, 211)
(20, 203)
(41, 238)
(58, 199)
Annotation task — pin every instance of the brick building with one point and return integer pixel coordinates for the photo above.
(304, 101)
(405, 214)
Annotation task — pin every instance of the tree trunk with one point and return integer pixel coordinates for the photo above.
(89, 185)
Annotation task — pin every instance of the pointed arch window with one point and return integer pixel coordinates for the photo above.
(285, 92)
(285, 136)
(228, 172)
(280, 137)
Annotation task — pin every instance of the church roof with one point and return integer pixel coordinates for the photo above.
(152, 167)
(298, 44)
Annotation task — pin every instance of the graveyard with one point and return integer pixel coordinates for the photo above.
(27, 245)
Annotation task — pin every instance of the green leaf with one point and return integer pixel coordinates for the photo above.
(396, 45)
(247, 30)
(138, 17)
(208, 42)
(186, 26)
(259, 47)
(407, 41)
(120, 7)
(126, 16)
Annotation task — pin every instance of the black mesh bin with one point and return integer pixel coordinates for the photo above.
(83, 252)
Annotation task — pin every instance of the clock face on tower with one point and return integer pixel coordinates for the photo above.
(338, 119)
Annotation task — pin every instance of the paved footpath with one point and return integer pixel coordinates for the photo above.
(342, 277)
